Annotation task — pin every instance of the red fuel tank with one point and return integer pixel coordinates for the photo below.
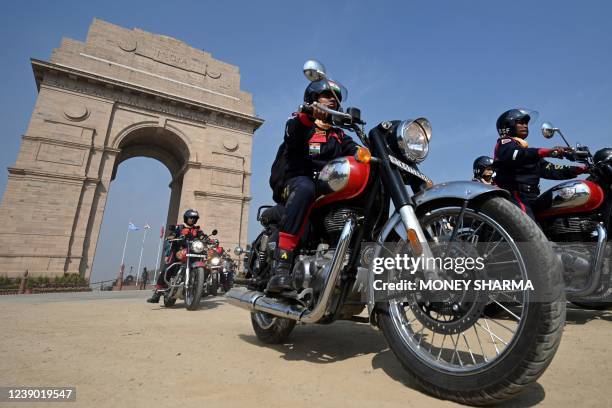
(571, 197)
(342, 179)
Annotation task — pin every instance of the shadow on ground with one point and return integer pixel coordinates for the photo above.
(577, 315)
(205, 304)
(325, 344)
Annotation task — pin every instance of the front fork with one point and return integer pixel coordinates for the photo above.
(187, 271)
(415, 236)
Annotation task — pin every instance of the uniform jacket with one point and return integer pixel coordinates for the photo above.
(517, 165)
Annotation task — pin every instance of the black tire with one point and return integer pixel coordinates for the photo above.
(227, 286)
(594, 305)
(169, 302)
(532, 349)
(192, 301)
(213, 289)
(270, 329)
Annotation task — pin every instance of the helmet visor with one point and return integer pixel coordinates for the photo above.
(338, 90)
(533, 115)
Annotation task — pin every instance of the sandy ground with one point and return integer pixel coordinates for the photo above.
(120, 351)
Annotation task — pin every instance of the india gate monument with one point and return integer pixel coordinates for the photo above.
(121, 94)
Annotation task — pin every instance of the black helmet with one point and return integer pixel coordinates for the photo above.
(191, 214)
(603, 160)
(604, 154)
(480, 164)
(316, 88)
(506, 123)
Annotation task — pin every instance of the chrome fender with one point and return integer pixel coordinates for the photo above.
(462, 190)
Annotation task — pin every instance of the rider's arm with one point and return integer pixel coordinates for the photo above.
(509, 152)
(558, 171)
(297, 129)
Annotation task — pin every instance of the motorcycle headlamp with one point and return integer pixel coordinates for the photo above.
(197, 247)
(413, 138)
(215, 261)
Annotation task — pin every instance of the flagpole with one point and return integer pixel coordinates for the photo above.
(161, 239)
(122, 267)
(144, 237)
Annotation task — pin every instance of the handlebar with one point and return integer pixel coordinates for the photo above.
(307, 108)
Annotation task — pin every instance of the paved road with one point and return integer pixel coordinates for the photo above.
(120, 351)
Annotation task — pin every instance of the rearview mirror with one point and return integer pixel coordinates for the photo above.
(214, 232)
(314, 70)
(548, 130)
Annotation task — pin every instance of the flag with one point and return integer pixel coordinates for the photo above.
(132, 227)
(147, 226)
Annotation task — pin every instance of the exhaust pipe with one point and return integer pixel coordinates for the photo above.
(257, 301)
(595, 273)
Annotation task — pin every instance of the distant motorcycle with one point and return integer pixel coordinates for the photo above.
(228, 272)
(214, 266)
(191, 279)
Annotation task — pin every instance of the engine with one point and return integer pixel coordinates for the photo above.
(571, 229)
(311, 271)
(334, 220)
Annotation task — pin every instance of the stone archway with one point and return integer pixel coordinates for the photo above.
(121, 94)
(163, 145)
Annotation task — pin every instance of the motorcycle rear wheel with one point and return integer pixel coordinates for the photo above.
(270, 329)
(169, 301)
(194, 290)
(527, 353)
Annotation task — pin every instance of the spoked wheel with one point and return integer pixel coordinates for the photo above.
(447, 341)
(271, 329)
(194, 289)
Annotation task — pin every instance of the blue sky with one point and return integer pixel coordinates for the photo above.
(458, 63)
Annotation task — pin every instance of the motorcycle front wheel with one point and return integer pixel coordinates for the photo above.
(194, 289)
(469, 356)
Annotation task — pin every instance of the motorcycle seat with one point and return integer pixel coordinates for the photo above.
(272, 215)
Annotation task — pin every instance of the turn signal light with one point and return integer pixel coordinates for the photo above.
(363, 155)
(413, 238)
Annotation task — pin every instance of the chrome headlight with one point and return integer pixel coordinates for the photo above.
(215, 261)
(413, 138)
(197, 247)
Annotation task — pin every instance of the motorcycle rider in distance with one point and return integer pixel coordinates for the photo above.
(190, 218)
(309, 143)
(483, 170)
(518, 167)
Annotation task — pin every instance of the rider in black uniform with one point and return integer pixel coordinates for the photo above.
(518, 167)
(309, 144)
(483, 170)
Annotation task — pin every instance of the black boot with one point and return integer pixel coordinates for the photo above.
(281, 279)
(155, 298)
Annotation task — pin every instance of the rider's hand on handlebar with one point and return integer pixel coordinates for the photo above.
(559, 151)
(317, 112)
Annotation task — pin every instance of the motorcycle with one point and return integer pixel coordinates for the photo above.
(191, 279)
(215, 267)
(448, 345)
(228, 271)
(577, 215)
